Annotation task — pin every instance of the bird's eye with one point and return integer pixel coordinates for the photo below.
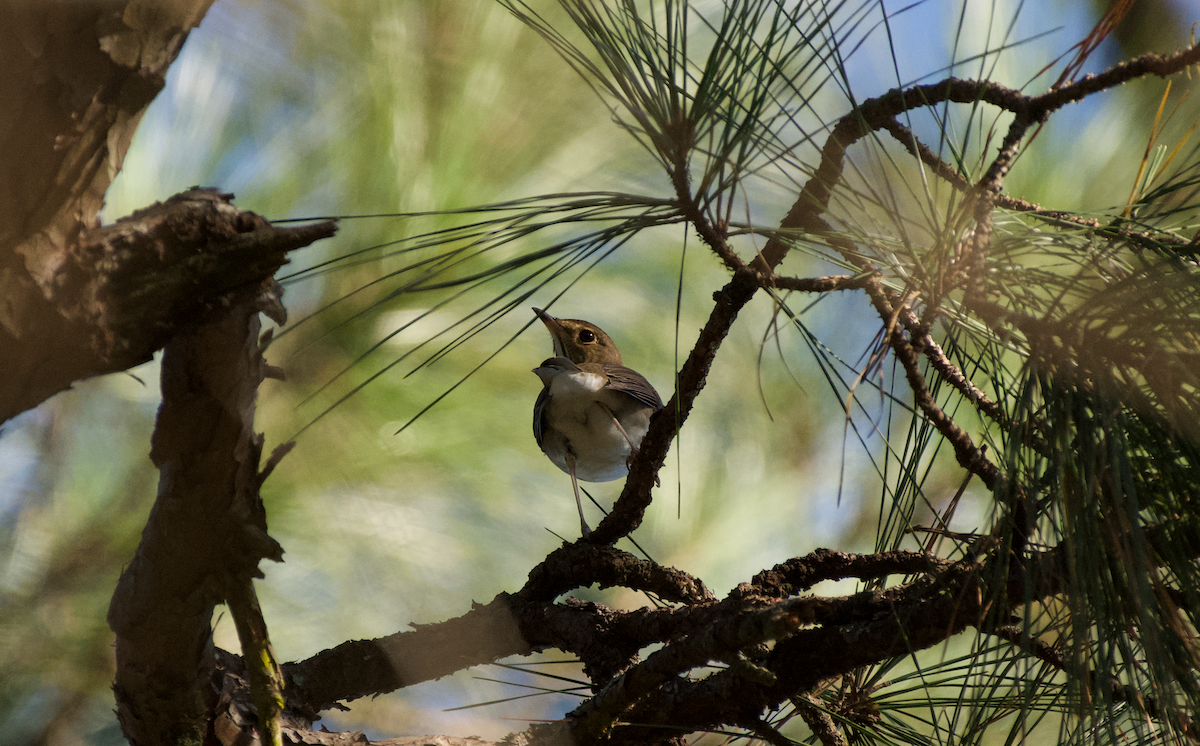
(586, 336)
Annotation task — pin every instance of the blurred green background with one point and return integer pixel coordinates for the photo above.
(328, 107)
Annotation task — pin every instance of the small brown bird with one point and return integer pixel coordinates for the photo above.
(592, 412)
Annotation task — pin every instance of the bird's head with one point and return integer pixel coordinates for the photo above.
(580, 341)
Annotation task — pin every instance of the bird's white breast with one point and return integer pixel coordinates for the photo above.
(587, 428)
(577, 385)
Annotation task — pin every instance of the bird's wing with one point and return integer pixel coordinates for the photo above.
(632, 383)
(539, 415)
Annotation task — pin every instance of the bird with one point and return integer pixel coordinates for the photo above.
(592, 412)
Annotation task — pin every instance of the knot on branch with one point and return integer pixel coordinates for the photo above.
(138, 281)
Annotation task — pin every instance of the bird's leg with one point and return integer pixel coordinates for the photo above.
(575, 486)
(633, 450)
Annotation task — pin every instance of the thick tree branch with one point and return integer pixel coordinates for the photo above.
(580, 565)
(800, 574)
(723, 639)
(816, 639)
(867, 628)
(76, 78)
(508, 625)
(362, 668)
(207, 527)
(121, 291)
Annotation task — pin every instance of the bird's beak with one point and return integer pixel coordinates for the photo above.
(550, 322)
(557, 332)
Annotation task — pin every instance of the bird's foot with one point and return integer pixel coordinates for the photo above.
(633, 452)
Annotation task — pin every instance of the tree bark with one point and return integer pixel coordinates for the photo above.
(77, 300)
(207, 529)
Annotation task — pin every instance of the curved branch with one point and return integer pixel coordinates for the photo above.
(800, 574)
(969, 456)
(722, 640)
(580, 565)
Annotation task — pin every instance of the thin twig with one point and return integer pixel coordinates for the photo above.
(266, 680)
(968, 454)
(1045, 652)
(815, 284)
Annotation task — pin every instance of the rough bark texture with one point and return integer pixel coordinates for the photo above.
(207, 527)
(132, 285)
(75, 79)
(121, 291)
